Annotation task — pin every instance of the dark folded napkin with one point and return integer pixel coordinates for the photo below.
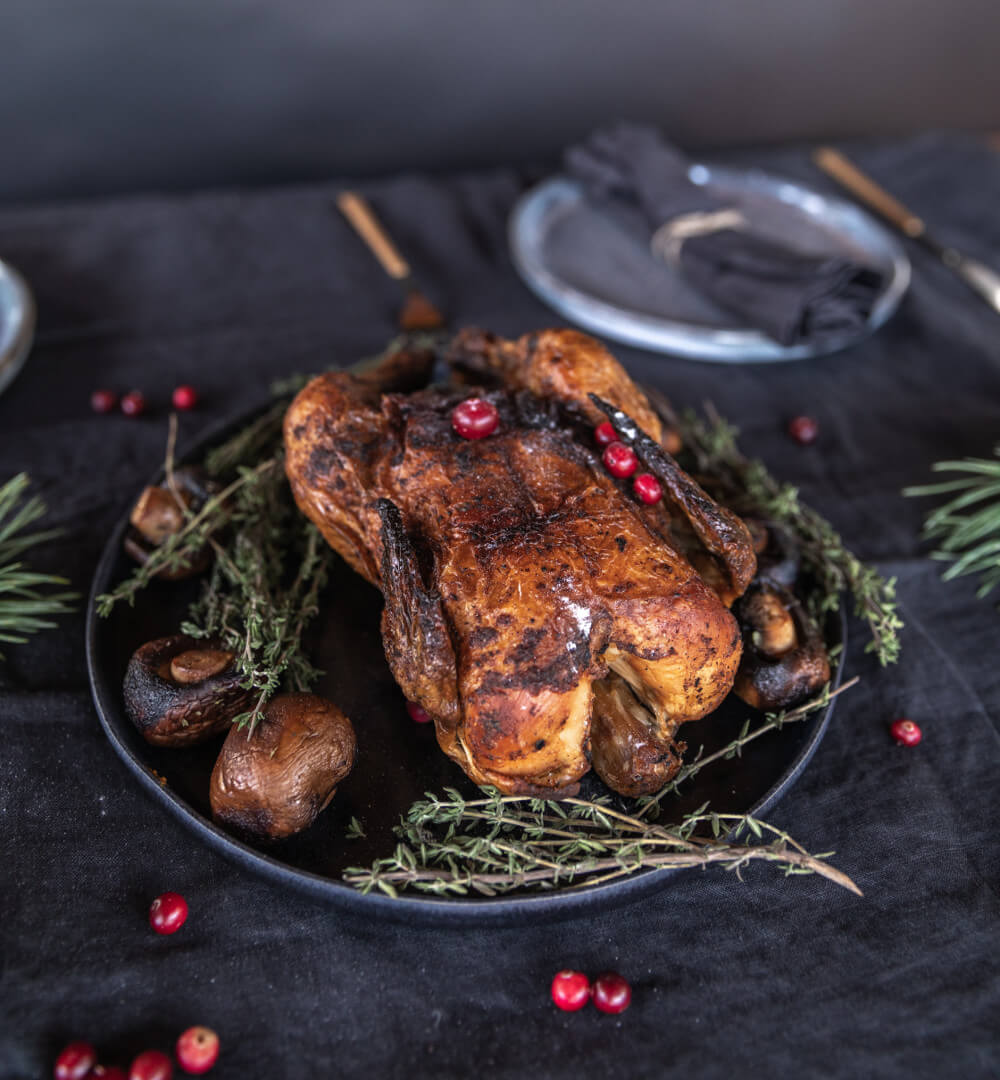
(790, 296)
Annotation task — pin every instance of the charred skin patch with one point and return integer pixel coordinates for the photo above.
(517, 560)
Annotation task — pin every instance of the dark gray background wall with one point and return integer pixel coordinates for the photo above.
(110, 95)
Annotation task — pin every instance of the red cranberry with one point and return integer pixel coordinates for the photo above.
(647, 487)
(475, 418)
(612, 993)
(605, 434)
(620, 460)
(570, 990)
(418, 714)
(803, 429)
(106, 1072)
(75, 1062)
(151, 1065)
(133, 403)
(103, 401)
(905, 732)
(197, 1050)
(185, 397)
(168, 913)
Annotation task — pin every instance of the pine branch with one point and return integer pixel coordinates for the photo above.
(967, 526)
(25, 604)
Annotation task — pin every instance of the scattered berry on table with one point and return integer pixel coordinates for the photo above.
(185, 397)
(133, 403)
(168, 913)
(570, 990)
(475, 418)
(620, 460)
(418, 714)
(151, 1065)
(75, 1061)
(197, 1050)
(605, 434)
(647, 487)
(803, 429)
(905, 732)
(612, 993)
(103, 401)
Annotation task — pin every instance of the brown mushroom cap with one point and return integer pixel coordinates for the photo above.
(172, 711)
(157, 516)
(275, 781)
(784, 656)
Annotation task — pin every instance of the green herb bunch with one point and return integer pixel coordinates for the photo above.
(452, 846)
(26, 603)
(966, 528)
(269, 563)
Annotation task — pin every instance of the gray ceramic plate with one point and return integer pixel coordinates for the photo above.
(17, 323)
(595, 267)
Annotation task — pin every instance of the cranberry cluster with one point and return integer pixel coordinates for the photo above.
(134, 402)
(620, 460)
(610, 992)
(196, 1051)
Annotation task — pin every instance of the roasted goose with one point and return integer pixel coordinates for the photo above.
(541, 614)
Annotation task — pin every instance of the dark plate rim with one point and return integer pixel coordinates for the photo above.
(560, 904)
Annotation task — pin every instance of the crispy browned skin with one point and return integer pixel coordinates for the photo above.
(516, 572)
(560, 365)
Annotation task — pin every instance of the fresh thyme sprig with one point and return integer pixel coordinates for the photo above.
(649, 805)
(749, 488)
(452, 846)
(270, 564)
(967, 527)
(25, 604)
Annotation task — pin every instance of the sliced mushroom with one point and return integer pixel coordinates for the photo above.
(784, 657)
(180, 691)
(157, 516)
(275, 781)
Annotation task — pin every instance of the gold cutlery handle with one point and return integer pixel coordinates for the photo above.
(367, 226)
(834, 164)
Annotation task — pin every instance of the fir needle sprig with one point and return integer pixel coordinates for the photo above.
(749, 488)
(26, 604)
(967, 527)
(451, 846)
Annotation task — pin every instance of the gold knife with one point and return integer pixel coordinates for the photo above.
(975, 274)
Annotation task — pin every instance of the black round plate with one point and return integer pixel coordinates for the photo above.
(398, 761)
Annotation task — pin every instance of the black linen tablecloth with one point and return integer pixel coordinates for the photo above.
(770, 977)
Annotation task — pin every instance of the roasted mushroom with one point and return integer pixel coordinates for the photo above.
(275, 781)
(157, 516)
(784, 657)
(180, 691)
